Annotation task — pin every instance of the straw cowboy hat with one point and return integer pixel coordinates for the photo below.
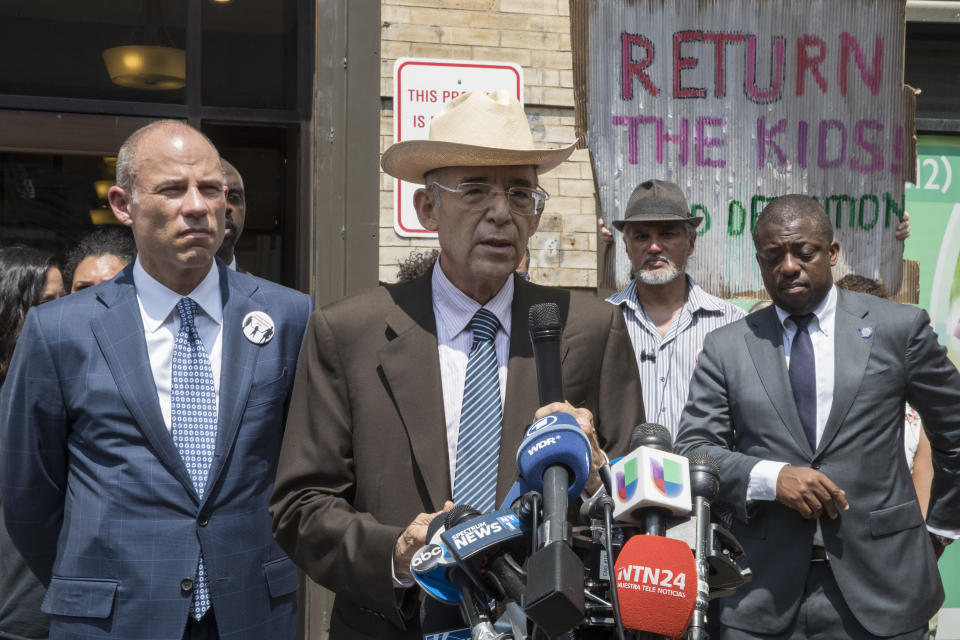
(473, 130)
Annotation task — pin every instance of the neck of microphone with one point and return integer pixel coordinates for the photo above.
(704, 488)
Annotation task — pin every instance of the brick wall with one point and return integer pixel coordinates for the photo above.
(536, 35)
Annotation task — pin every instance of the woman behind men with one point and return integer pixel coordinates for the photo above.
(98, 256)
(28, 277)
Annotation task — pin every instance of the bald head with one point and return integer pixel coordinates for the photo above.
(236, 213)
(127, 158)
(792, 208)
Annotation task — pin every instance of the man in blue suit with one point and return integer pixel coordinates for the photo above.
(141, 420)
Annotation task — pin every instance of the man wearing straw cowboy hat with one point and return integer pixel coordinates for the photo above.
(391, 418)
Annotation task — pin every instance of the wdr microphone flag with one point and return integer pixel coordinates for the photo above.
(650, 478)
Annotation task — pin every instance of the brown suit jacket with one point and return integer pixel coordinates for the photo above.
(365, 446)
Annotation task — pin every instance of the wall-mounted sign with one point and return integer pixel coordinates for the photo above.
(420, 88)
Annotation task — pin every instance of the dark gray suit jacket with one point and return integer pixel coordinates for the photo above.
(365, 448)
(741, 410)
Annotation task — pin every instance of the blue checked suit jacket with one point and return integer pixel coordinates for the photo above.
(95, 494)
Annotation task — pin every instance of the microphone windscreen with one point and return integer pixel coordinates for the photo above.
(650, 434)
(544, 321)
(457, 515)
(705, 462)
(556, 439)
(656, 585)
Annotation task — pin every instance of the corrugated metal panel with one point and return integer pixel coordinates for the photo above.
(739, 101)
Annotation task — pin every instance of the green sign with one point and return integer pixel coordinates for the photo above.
(934, 242)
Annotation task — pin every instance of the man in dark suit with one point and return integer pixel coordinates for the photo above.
(802, 404)
(236, 213)
(380, 422)
(140, 423)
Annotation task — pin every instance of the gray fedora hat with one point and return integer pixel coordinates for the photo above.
(657, 201)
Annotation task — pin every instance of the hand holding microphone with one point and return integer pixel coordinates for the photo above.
(411, 540)
(584, 418)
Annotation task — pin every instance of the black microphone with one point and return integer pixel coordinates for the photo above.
(545, 330)
(654, 436)
(645, 355)
(704, 487)
(554, 597)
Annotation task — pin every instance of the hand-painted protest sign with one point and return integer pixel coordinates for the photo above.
(739, 101)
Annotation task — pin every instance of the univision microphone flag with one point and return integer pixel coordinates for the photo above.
(650, 478)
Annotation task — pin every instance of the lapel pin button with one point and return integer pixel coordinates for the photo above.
(866, 332)
(258, 327)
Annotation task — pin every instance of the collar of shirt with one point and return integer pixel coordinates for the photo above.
(826, 314)
(455, 309)
(158, 302)
(697, 301)
(233, 263)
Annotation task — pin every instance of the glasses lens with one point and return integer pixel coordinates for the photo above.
(522, 200)
(474, 192)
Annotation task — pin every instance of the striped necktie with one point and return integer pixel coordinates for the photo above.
(478, 444)
(193, 419)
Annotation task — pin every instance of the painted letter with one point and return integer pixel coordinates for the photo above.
(631, 67)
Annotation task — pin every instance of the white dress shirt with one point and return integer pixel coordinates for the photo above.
(453, 310)
(161, 322)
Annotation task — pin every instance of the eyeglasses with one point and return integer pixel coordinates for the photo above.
(523, 201)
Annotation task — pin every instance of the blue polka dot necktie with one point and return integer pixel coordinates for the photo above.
(803, 377)
(478, 444)
(193, 418)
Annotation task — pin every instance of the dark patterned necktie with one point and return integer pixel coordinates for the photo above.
(193, 419)
(803, 378)
(478, 444)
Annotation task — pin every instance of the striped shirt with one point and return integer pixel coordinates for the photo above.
(453, 311)
(666, 364)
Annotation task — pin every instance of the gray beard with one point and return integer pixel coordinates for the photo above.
(660, 276)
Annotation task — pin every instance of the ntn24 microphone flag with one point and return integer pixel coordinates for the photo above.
(656, 585)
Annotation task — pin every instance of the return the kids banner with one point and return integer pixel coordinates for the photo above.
(739, 101)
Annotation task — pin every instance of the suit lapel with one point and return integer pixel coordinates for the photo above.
(412, 369)
(238, 360)
(118, 330)
(765, 346)
(522, 398)
(851, 352)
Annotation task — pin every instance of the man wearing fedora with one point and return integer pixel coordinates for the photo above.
(666, 313)
(416, 395)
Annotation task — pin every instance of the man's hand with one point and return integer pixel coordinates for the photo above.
(585, 419)
(810, 492)
(902, 231)
(606, 236)
(412, 538)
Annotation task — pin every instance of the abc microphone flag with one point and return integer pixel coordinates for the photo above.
(656, 585)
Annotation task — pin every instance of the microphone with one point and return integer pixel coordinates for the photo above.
(705, 487)
(554, 448)
(545, 330)
(656, 585)
(651, 482)
(436, 571)
(481, 545)
(645, 355)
